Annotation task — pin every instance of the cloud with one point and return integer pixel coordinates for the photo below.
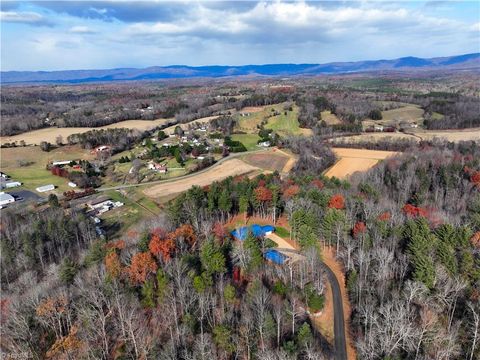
(29, 18)
(81, 30)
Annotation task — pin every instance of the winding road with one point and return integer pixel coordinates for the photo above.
(340, 338)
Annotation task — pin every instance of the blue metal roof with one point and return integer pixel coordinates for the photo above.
(256, 230)
(275, 256)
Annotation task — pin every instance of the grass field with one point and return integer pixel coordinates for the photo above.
(287, 124)
(249, 140)
(330, 119)
(137, 207)
(35, 174)
(50, 134)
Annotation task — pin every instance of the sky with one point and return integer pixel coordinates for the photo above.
(67, 35)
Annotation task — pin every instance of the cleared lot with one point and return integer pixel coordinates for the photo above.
(50, 134)
(353, 160)
(228, 168)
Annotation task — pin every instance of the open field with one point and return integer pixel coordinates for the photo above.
(353, 160)
(287, 124)
(50, 134)
(228, 168)
(34, 173)
(404, 114)
(270, 161)
(329, 118)
(169, 130)
(249, 140)
(253, 109)
(419, 134)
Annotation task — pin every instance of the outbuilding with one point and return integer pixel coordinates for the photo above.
(275, 256)
(6, 199)
(45, 188)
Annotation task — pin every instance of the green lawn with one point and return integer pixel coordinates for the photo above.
(286, 124)
(249, 140)
(282, 232)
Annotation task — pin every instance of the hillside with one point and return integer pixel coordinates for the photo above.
(467, 61)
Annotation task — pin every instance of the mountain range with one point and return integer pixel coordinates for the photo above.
(467, 61)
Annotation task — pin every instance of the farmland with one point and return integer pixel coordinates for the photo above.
(268, 161)
(28, 165)
(232, 167)
(50, 134)
(353, 160)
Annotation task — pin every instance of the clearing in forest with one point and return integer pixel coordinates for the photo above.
(231, 167)
(353, 160)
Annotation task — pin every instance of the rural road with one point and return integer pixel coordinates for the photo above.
(338, 319)
(232, 156)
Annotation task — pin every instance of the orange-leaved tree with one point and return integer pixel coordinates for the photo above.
(162, 247)
(142, 265)
(337, 201)
(291, 191)
(113, 265)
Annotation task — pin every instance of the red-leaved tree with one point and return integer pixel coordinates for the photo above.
(337, 201)
(142, 265)
(359, 228)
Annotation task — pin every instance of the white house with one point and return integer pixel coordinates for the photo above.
(6, 199)
(72, 184)
(45, 188)
(3, 175)
(378, 127)
(264, 144)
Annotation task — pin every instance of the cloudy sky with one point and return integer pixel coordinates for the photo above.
(55, 35)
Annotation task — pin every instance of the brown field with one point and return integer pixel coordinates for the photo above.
(253, 109)
(50, 134)
(228, 168)
(419, 134)
(409, 113)
(270, 161)
(169, 130)
(353, 160)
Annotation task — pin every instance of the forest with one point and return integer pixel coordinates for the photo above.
(351, 98)
(179, 287)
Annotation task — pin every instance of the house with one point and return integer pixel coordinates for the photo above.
(264, 144)
(102, 148)
(378, 128)
(3, 175)
(45, 188)
(6, 199)
(72, 184)
(256, 230)
(275, 256)
(161, 168)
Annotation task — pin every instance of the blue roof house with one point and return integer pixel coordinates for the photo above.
(255, 229)
(275, 256)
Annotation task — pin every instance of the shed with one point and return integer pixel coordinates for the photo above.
(275, 256)
(12, 184)
(45, 188)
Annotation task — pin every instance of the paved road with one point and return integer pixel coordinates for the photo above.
(231, 156)
(338, 319)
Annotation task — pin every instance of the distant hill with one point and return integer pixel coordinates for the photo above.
(410, 63)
